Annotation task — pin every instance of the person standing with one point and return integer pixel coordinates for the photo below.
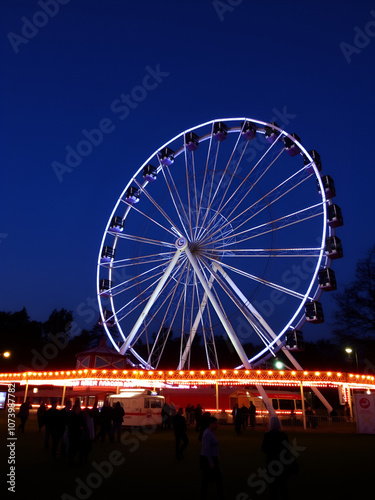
(179, 429)
(41, 414)
(118, 417)
(209, 460)
(252, 414)
(275, 446)
(24, 414)
(237, 418)
(106, 417)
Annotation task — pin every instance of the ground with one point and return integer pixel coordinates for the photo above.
(143, 465)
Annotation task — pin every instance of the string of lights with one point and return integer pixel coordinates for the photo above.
(180, 378)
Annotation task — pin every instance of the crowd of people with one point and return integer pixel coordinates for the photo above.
(70, 432)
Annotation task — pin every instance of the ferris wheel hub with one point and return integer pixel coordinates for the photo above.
(181, 243)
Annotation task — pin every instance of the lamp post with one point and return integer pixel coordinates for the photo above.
(349, 351)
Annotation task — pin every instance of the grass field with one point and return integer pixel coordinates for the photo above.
(143, 466)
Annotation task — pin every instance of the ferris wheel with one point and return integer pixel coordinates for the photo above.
(224, 236)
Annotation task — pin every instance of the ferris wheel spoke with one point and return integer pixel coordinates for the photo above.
(187, 343)
(137, 261)
(160, 210)
(260, 173)
(224, 321)
(161, 339)
(175, 197)
(259, 325)
(223, 182)
(151, 300)
(212, 151)
(270, 284)
(272, 252)
(142, 239)
(276, 224)
(266, 201)
(137, 280)
(190, 177)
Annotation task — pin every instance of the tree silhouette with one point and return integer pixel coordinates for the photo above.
(355, 315)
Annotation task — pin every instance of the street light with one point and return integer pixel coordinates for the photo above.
(6, 354)
(349, 350)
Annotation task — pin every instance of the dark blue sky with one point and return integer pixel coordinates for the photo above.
(65, 68)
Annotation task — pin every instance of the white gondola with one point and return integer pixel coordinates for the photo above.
(220, 131)
(149, 173)
(294, 340)
(104, 287)
(333, 248)
(132, 195)
(107, 254)
(271, 133)
(316, 160)
(166, 156)
(327, 279)
(117, 224)
(335, 218)
(329, 186)
(249, 130)
(191, 141)
(290, 146)
(314, 312)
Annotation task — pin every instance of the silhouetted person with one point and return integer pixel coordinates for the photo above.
(179, 429)
(76, 426)
(41, 414)
(52, 428)
(278, 459)
(88, 436)
(63, 427)
(198, 417)
(209, 460)
(106, 414)
(311, 418)
(166, 416)
(204, 423)
(118, 417)
(24, 414)
(237, 418)
(252, 414)
(245, 416)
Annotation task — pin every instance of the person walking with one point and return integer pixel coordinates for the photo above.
(179, 429)
(209, 460)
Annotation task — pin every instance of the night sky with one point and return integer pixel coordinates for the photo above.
(65, 67)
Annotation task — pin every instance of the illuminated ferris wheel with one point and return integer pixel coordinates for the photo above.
(227, 231)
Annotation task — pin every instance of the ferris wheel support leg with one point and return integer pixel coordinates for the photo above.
(271, 333)
(224, 321)
(315, 390)
(151, 301)
(194, 328)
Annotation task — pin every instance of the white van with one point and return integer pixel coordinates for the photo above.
(142, 408)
